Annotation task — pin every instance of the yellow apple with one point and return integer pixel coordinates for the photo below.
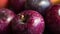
(55, 1)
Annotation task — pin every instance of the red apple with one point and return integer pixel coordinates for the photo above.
(53, 19)
(6, 16)
(38, 5)
(3, 3)
(28, 22)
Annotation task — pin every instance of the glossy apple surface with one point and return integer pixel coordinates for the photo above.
(55, 1)
(53, 19)
(38, 5)
(3, 3)
(28, 22)
(6, 16)
(18, 4)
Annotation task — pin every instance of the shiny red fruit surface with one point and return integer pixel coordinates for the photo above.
(53, 19)
(6, 16)
(3, 3)
(28, 22)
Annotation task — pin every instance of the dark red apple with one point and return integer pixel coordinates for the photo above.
(18, 4)
(39, 5)
(6, 16)
(53, 19)
(3, 3)
(28, 22)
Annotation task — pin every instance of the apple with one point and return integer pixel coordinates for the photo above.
(3, 3)
(55, 1)
(38, 5)
(52, 19)
(28, 22)
(6, 16)
(18, 5)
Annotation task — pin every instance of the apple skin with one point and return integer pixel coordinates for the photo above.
(18, 5)
(54, 2)
(52, 19)
(33, 24)
(6, 16)
(3, 3)
(38, 5)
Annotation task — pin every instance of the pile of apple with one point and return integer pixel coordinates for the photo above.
(29, 16)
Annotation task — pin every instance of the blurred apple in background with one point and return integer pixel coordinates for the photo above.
(28, 22)
(38, 5)
(17, 5)
(6, 16)
(3, 3)
(53, 19)
(55, 1)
